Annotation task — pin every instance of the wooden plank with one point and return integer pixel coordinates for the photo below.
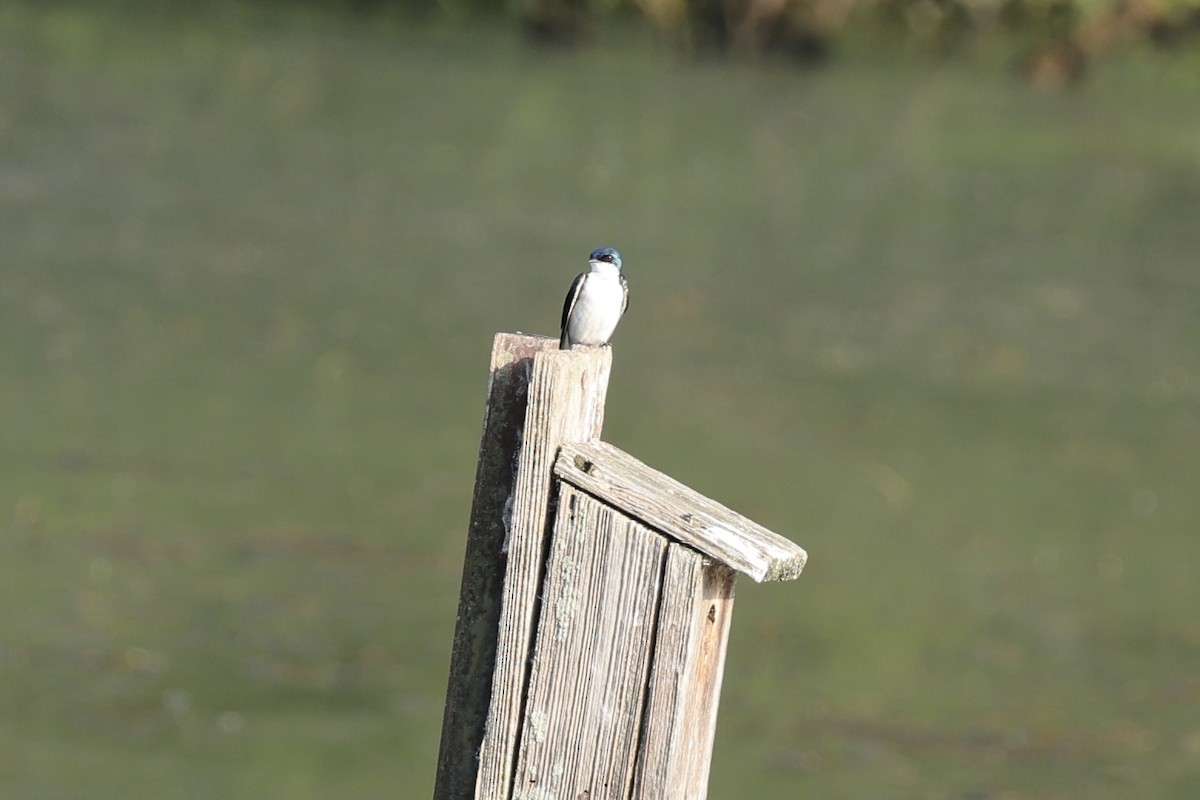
(473, 658)
(685, 515)
(565, 403)
(685, 684)
(594, 643)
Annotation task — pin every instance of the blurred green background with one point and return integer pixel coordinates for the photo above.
(938, 326)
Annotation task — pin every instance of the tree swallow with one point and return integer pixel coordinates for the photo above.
(596, 301)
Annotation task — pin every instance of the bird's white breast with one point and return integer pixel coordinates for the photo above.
(598, 307)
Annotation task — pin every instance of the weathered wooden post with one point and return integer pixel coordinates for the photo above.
(595, 605)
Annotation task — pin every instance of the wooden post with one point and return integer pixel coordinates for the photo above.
(473, 658)
(544, 397)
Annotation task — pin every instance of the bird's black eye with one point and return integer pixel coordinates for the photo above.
(607, 257)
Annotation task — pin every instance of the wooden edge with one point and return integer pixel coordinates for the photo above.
(566, 396)
(683, 514)
(472, 659)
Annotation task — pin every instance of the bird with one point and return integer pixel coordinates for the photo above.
(595, 302)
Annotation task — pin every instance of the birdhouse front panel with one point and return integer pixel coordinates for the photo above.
(594, 642)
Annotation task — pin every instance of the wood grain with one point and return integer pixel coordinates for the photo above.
(687, 516)
(565, 403)
(685, 682)
(587, 687)
(472, 660)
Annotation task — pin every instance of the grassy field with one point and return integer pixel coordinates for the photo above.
(941, 329)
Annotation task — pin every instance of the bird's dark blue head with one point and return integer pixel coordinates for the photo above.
(606, 254)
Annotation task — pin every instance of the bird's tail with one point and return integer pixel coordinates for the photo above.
(564, 341)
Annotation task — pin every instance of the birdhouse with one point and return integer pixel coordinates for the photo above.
(596, 601)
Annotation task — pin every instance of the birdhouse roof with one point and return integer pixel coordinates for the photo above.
(665, 504)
